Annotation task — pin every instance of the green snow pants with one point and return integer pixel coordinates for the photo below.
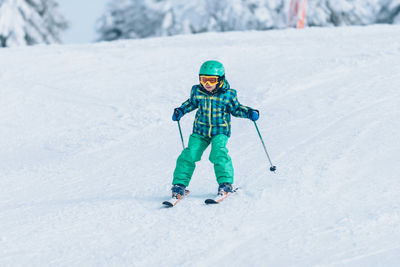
(186, 162)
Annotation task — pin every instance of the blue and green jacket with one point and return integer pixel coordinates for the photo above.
(213, 116)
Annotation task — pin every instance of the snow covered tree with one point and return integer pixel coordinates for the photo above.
(352, 12)
(222, 15)
(126, 19)
(29, 22)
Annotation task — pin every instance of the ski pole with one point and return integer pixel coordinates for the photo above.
(272, 168)
(180, 131)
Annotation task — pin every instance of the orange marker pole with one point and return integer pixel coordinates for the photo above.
(297, 13)
(302, 15)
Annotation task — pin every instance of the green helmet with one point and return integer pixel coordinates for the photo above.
(212, 67)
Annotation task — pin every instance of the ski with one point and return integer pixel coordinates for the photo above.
(220, 197)
(173, 201)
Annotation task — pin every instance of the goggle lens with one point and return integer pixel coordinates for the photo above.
(210, 79)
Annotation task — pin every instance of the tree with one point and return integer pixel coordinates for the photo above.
(352, 12)
(30, 22)
(127, 19)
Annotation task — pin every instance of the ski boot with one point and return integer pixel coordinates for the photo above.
(224, 188)
(178, 191)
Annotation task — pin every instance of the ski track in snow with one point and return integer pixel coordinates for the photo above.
(89, 149)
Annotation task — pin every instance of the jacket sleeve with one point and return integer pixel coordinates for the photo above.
(190, 104)
(237, 109)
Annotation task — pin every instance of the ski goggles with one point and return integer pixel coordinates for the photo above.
(211, 80)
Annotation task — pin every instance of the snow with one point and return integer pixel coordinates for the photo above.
(88, 149)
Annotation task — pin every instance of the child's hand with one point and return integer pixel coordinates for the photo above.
(178, 113)
(254, 114)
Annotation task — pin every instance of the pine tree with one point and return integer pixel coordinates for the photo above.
(127, 19)
(30, 22)
(352, 12)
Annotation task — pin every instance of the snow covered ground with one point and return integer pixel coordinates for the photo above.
(88, 149)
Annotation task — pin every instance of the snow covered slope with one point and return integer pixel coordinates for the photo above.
(88, 149)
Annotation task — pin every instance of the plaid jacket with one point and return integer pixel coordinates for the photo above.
(213, 116)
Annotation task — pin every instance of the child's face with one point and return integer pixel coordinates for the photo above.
(209, 87)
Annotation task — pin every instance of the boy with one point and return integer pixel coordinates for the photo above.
(215, 101)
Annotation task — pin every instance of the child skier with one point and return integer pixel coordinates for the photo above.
(215, 101)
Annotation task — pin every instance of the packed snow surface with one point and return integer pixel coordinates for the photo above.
(88, 148)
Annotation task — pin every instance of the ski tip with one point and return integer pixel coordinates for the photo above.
(167, 204)
(210, 201)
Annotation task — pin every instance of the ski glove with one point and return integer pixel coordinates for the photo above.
(254, 114)
(178, 113)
